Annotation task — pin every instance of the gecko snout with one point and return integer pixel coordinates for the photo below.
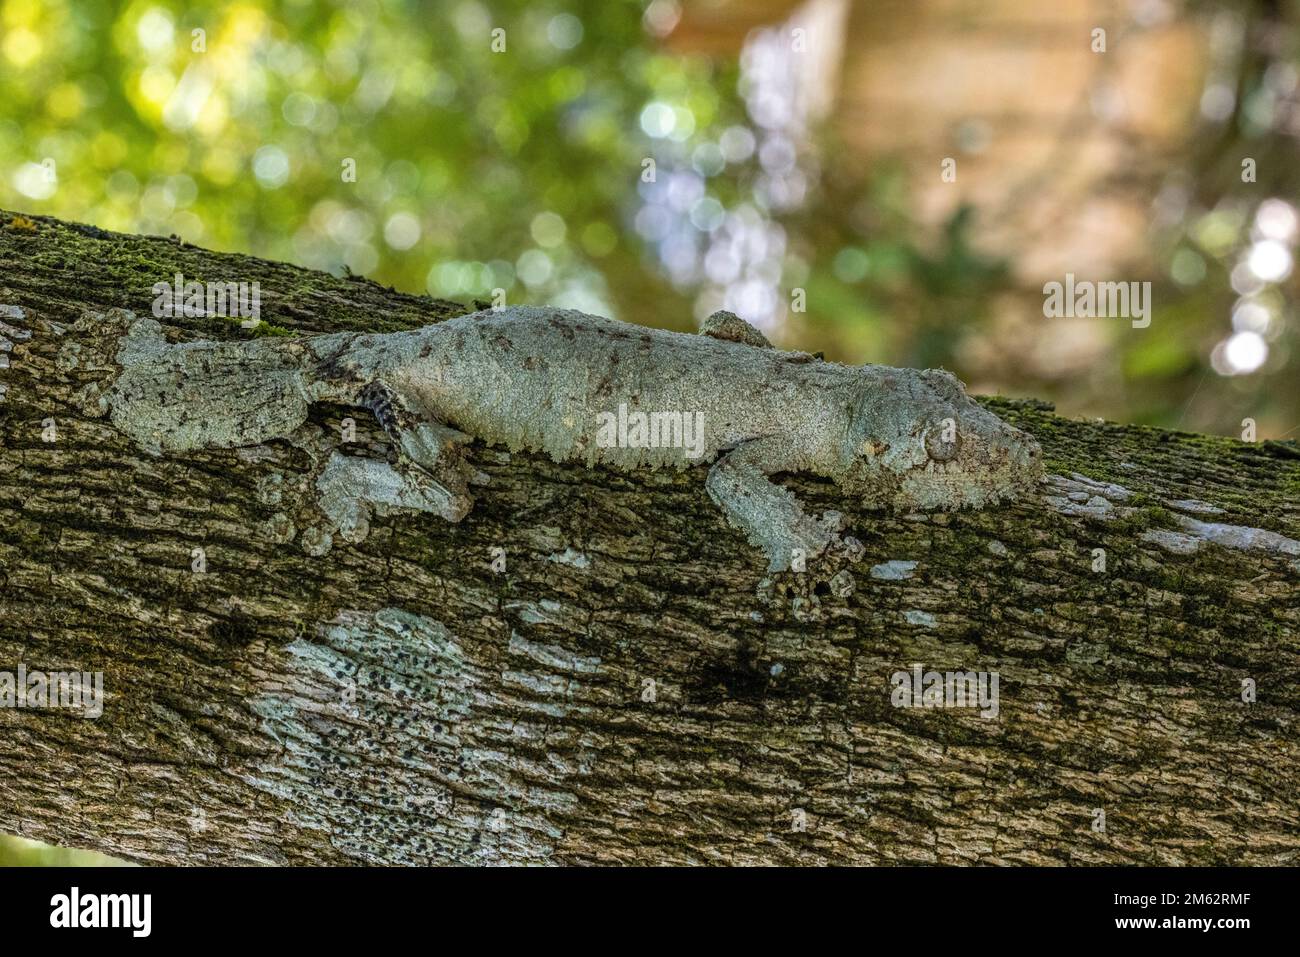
(1027, 454)
(979, 443)
(1015, 451)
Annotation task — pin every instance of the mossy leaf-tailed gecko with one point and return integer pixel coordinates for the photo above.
(557, 381)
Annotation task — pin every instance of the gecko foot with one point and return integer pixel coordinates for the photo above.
(825, 579)
(353, 489)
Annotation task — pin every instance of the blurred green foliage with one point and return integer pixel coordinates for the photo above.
(16, 852)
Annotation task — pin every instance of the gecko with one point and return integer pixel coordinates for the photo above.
(553, 380)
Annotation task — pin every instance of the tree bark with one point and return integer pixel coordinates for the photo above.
(630, 687)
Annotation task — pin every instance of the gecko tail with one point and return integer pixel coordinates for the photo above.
(180, 397)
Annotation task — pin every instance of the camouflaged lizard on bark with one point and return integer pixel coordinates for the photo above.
(549, 380)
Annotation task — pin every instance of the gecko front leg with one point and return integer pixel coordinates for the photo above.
(427, 454)
(427, 473)
(771, 516)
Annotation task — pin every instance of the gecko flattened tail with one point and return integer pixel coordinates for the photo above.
(178, 397)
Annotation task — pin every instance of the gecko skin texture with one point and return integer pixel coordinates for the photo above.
(552, 380)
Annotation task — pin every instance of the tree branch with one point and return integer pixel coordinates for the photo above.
(593, 667)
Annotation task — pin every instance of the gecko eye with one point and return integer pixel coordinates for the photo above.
(938, 449)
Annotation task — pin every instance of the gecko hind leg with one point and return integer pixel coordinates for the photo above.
(770, 515)
(427, 454)
(353, 488)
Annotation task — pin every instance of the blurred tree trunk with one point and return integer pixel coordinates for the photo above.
(618, 692)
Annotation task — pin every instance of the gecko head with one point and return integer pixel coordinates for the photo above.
(920, 442)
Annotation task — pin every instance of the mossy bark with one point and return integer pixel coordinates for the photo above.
(620, 691)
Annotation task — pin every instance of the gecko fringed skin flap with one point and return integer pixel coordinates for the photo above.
(583, 388)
